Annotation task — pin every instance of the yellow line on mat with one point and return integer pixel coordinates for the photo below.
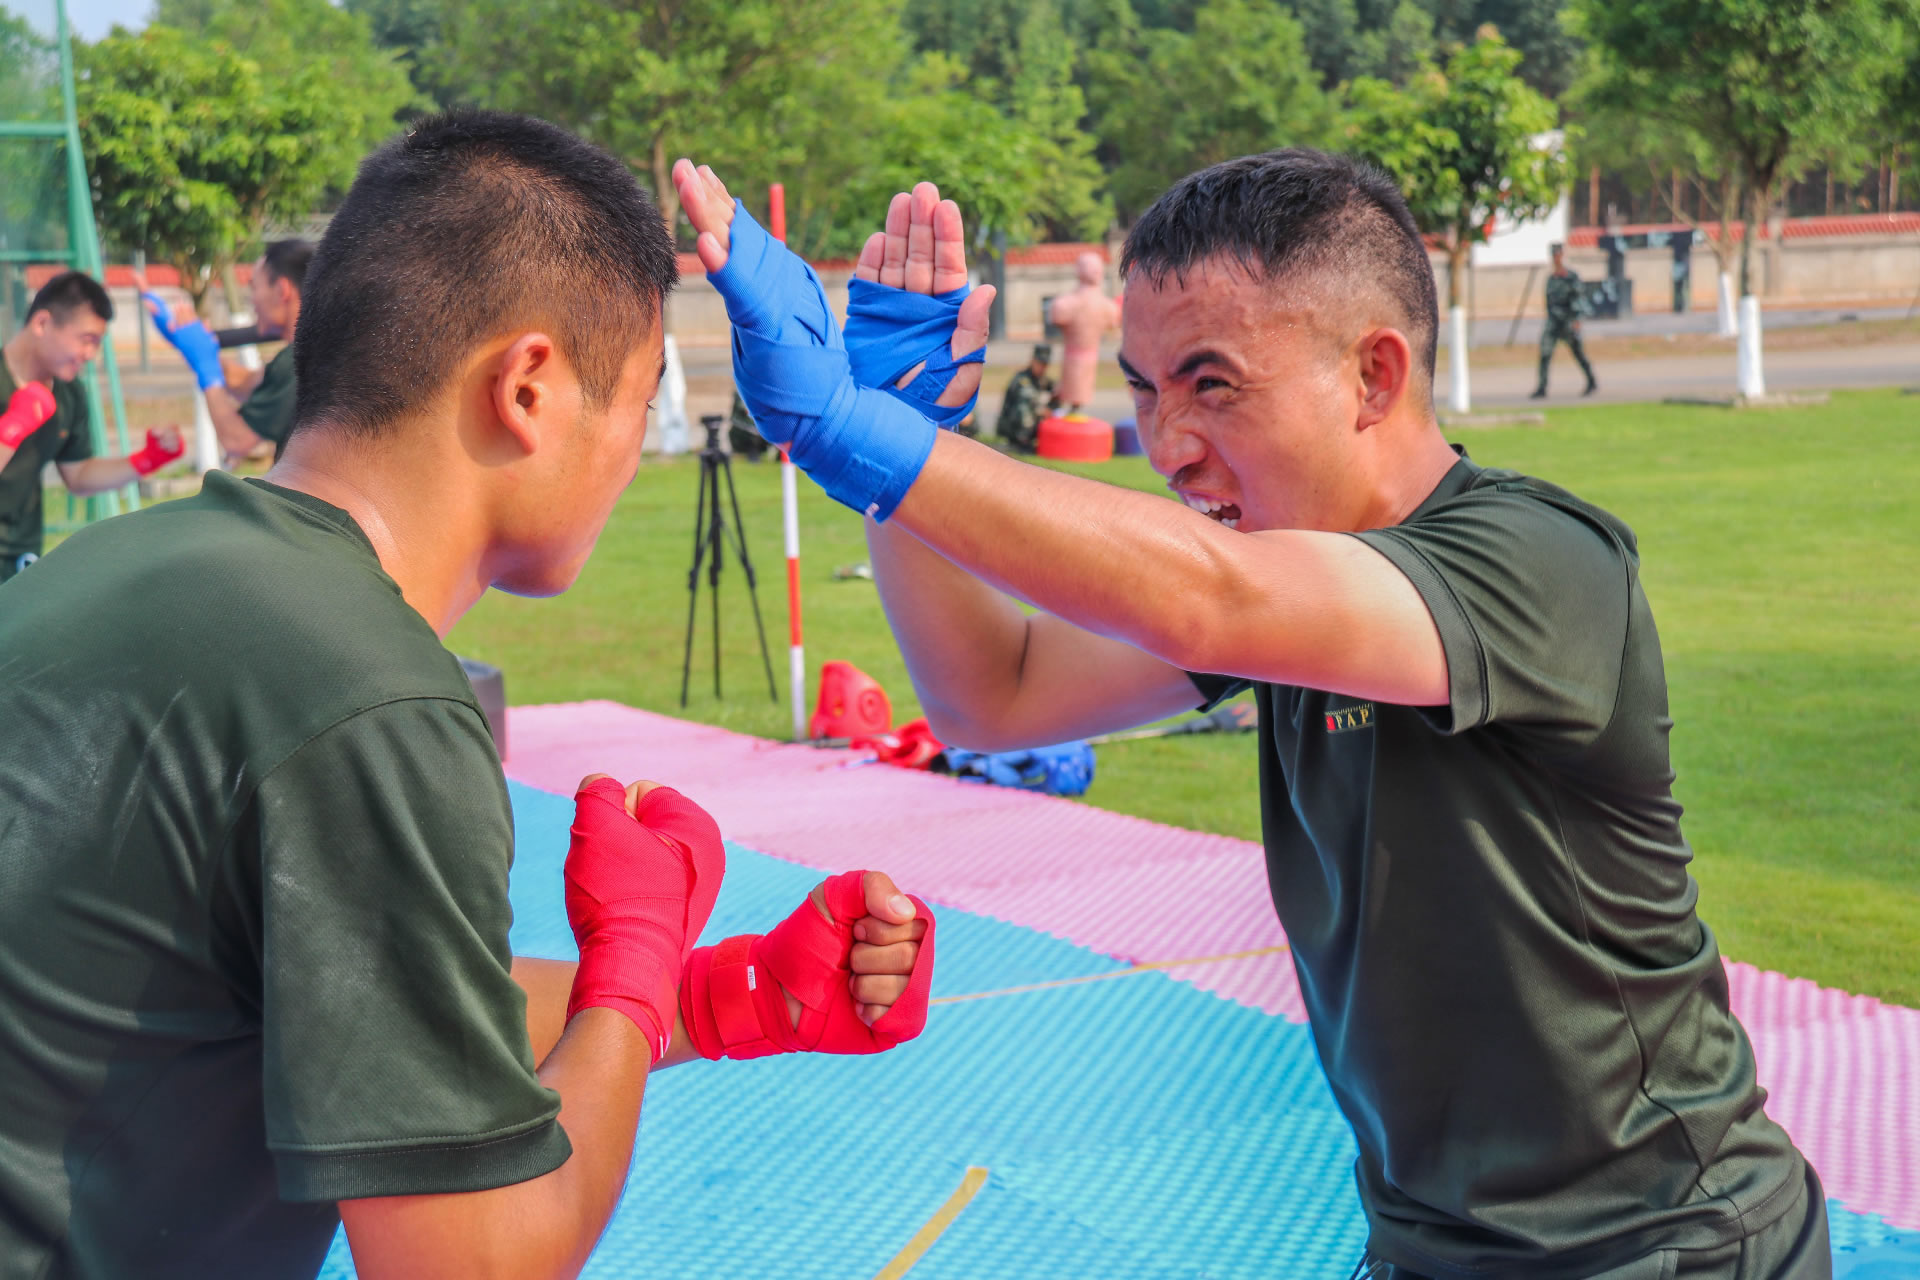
(923, 1239)
(1148, 967)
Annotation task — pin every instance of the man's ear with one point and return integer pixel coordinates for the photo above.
(1385, 366)
(527, 390)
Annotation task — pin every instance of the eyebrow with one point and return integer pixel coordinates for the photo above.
(1205, 356)
(662, 375)
(1128, 369)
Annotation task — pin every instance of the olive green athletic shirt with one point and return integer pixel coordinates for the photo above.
(61, 438)
(1491, 917)
(254, 842)
(268, 408)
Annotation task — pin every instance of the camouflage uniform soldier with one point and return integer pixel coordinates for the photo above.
(1563, 322)
(1030, 397)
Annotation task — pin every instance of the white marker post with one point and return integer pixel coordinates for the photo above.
(1752, 378)
(790, 519)
(1729, 326)
(1457, 397)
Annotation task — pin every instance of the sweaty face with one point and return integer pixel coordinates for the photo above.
(64, 349)
(1244, 402)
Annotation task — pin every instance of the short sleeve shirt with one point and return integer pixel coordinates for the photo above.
(253, 900)
(1490, 913)
(64, 437)
(268, 408)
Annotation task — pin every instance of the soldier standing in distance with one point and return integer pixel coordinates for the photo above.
(1563, 322)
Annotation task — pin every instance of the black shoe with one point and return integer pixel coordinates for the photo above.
(1540, 393)
(1592, 387)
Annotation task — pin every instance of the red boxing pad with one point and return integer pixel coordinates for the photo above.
(27, 411)
(731, 997)
(638, 892)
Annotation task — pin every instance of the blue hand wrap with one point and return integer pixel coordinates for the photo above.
(890, 330)
(862, 446)
(195, 343)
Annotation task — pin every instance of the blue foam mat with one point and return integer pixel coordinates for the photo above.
(1133, 1128)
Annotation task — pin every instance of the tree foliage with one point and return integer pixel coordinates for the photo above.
(1167, 102)
(190, 151)
(1768, 86)
(313, 50)
(1464, 140)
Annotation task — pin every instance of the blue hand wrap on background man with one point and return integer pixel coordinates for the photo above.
(194, 341)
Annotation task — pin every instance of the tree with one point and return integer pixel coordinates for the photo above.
(1166, 102)
(314, 50)
(189, 151)
(1769, 86)
(652, 80)
(1463, 142)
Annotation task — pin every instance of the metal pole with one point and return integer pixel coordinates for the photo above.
(140, 309)
(87, 258)
(790, 521)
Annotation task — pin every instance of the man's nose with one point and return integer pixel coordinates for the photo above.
(1169, 440)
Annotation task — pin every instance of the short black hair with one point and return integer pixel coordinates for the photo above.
(287, 260)
(468, 225)
(66, 293)
(1291, 212)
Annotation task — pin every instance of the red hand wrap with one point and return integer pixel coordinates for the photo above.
(638, 890)
(157, 455)
(731, 1000)
(27, 411)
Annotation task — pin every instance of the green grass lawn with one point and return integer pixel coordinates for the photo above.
(1781, 550)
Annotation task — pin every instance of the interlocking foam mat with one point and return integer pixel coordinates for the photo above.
(1132, 1122)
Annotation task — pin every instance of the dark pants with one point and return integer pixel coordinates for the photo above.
(1552, 336)
(1793, 1247)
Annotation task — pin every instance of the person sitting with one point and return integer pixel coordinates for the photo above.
(43, 415)
(1030, 397)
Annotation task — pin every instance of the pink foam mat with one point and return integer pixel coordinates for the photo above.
(1843, 1070)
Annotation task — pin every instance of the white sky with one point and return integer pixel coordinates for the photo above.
(92, 19)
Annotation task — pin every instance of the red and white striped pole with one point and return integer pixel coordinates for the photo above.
(790, 518)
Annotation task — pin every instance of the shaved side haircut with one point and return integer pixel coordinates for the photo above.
(67, 293)
(1287, 215)
(469, 226)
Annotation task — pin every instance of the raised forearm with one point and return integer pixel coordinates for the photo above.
(964, 642)
(236, 437)
(1292, 607)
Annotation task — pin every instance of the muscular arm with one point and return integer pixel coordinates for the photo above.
(545, 1226)
(236, 437)
(1292, 607)
(96, 475)
(992, 677)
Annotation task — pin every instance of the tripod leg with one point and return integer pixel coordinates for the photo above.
(716, 525)
(693, 577)
(746, 564)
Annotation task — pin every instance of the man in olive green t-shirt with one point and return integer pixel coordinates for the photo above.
(248, 406)
(1471, 835)
(254, 835)
(65, 325)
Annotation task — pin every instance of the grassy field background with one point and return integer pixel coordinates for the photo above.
(1780, 548)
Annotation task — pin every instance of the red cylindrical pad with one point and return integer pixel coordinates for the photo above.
(638, 893)
(731, 997)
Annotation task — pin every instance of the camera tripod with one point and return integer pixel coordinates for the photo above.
(710, 536)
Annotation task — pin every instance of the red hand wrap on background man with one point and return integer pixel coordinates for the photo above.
(639, 889)
(27, 411)
(157, 454)
(731, 994)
